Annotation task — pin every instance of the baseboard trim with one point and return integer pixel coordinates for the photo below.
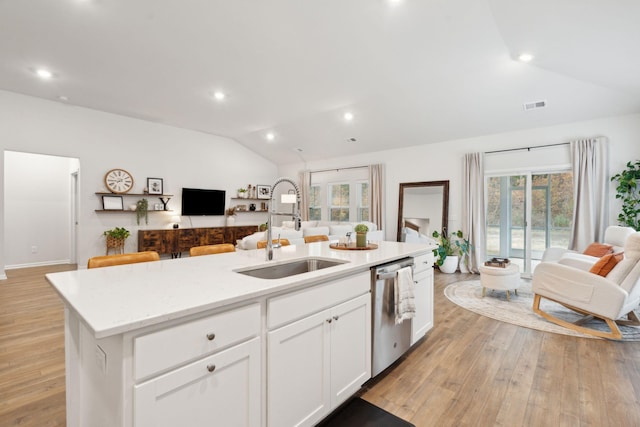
(37, 264)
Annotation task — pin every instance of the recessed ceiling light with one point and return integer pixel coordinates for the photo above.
(525, 57)
(219, 95)
(44, 73)
(348, 116)
(270, 136)
(63, 98)
(394, 2)
(351, 140)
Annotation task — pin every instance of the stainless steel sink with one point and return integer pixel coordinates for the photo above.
(291, 268)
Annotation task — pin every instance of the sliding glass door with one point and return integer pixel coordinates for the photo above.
(527, 213)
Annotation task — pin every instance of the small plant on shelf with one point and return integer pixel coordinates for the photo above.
(242, 193)
(142, 211)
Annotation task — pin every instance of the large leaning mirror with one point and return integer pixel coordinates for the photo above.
(422, 209)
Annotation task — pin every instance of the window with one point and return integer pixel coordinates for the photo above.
(363, 201)
(339, 202)
(315, 203)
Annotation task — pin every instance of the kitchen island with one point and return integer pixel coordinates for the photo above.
(195, 342)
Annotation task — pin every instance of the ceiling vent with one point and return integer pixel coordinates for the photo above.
(534, 105)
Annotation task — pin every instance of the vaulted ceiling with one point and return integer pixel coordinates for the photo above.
(410, 72)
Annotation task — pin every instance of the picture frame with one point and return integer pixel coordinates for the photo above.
(155, 186)
(112, 203)
(263, 191)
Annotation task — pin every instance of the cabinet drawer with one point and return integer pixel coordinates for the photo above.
(173, 346)
(423, 262)
(296, 305)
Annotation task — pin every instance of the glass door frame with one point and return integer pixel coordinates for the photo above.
(526, 271)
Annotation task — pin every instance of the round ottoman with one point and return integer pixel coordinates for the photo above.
(502, 279)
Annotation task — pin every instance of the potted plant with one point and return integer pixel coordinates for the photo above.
(449, 250)
(361, 235)
(142, 211)
(116, 237)
(628, 190)
(242, 193)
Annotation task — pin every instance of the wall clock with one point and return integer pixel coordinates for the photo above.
(118, 181)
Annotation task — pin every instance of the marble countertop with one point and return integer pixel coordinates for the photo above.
(114, 300)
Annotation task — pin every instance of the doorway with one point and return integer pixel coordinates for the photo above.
(40, 209)
(527, 213)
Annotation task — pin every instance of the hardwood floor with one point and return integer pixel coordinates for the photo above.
(475, 371)
(31, 350)
(469, 371)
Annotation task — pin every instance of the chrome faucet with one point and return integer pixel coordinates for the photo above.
(272, 212)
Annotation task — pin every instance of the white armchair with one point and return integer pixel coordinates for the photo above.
(608, 298)
(614, 235)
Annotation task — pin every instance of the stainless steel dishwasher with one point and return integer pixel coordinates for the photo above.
(389, 341)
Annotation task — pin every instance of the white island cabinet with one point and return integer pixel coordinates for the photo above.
(316, 362)
(193, 342)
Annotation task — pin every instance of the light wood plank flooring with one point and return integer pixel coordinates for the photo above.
(31, 350)
(475, 371)
(469, 371)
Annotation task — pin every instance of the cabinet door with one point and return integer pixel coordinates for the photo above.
(187, 238)
(350, 348)
(215, 236)
(219, 390)
(423, 292)
(298, 372)
(161, 241)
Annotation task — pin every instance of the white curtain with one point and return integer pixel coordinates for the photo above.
(376, 187)
(473, 209)
(305, 185)
(590, 163)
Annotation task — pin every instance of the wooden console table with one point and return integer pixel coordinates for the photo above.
(174, 241)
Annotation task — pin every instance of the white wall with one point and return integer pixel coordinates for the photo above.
(103, 141)
(443, 161)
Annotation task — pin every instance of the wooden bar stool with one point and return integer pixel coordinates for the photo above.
(263, 243)
(316, 238)
(211, 249)
(119, 259)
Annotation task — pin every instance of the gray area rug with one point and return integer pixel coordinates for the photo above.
(468, 294)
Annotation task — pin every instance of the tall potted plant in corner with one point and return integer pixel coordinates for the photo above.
(361, 235)
(628, 190)
(449, 249)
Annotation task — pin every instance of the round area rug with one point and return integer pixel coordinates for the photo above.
(519, 311)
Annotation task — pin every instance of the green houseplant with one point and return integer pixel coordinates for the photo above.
(450, 248)
(361, 235)
(627, 190)
(142, 211)
(116, 237)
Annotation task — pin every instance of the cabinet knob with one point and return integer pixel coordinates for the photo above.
(336, 317)
(329, 320)
(211, 368)
(210, 337)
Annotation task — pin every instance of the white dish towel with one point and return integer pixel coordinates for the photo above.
(405, 306)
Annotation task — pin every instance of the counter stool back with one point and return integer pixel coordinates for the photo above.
(211, 249)
(119, 259)
(263, 243)
(316, 238)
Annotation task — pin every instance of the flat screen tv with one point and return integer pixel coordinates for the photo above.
(196, 201)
